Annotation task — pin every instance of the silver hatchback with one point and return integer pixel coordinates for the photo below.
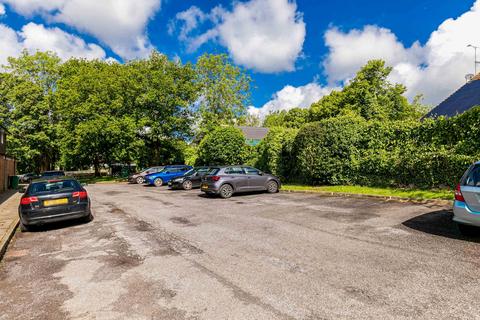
(227, 180)
(466, 208)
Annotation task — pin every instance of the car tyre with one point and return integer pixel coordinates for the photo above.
(88, 218)
(140, 180)
(226, 191)
(158, 182)
(272, 187)
(467, 230)
(24, 227)
(187, 185)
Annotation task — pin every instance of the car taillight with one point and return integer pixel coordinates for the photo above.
(28, 200)
(215, 178)
(458, 194)
(80, 194)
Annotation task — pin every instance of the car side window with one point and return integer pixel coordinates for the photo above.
(234, 170)
(252, 171)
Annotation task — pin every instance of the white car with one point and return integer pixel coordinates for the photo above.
(466, 208)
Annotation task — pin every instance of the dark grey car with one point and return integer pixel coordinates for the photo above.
(227, 180)
(46, 201)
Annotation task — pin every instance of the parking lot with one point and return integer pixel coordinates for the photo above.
(152, 253)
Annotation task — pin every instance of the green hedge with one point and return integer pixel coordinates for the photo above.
(275, 152)
(348, 149)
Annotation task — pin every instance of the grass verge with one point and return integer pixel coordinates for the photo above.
(105, 179)
(417, 194)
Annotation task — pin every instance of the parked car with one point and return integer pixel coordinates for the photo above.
(190, 179)
(466, 208)
(46, 201)
(27, 177)
(52, 174)
(227, 180)
(169, 172)
(140, 177)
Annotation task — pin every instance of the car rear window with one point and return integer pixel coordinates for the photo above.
(54, 186)
(472, 177)
(53, 173)
(213, 171)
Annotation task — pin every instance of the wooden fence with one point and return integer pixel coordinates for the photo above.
(7, 168)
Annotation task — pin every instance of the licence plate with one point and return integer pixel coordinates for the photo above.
(204, 186)
(56, 202)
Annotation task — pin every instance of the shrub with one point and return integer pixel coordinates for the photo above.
(275, 152)
(225, 145)
(328, 151)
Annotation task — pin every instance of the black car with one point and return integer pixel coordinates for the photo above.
(46, 201)
(191, 179)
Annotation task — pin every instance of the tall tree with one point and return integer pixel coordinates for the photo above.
(27, 91)
(225, 92)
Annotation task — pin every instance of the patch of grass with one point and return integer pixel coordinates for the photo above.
(418, 194)
(104, 179)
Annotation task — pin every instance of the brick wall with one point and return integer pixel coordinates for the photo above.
(7, 168)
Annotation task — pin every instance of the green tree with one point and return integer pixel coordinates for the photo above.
(225, 92)
(224, 145)
(293, 118)
(371, 96)
(162, 93)
(27, 91)
(97, 124)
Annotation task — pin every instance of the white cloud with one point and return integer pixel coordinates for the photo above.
(2, 9)
(120, 24)
(35, 37)
(263, 35)
(435, 69)
(292, 97)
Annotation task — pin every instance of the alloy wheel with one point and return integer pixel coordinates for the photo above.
(187, 185)
(158, 182)
(226, 191)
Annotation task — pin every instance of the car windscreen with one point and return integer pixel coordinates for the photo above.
(190, 172)
(53, 186)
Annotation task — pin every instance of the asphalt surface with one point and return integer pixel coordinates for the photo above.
(151, 253)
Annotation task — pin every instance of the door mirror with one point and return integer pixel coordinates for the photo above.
(260, 173)
(84, 184)
(21, 190)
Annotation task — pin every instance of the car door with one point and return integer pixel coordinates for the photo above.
(470, 188)
(236, 176)
(256, 179)
(196, 178)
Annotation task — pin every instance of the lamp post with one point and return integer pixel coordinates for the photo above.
(475, 61)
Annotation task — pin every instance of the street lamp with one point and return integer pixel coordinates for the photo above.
(475, 61)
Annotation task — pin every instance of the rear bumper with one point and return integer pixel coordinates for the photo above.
(58, 217)
(463, 214)
(209, 188)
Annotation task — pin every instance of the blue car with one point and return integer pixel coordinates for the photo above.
(157, 179)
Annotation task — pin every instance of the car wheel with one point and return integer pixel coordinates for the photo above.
(187, 185)
(88, 218)
(24, 227)
(140, 180)
(467, 230)
(226, 191)
(158, 182)
(272, 187)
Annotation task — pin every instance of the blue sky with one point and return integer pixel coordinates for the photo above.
(295, 51)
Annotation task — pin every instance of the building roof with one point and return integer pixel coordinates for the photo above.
(255, 133)
(466, 97)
